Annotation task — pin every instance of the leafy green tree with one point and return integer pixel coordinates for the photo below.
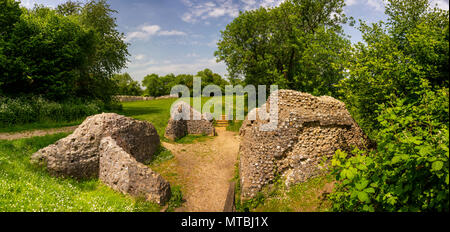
(111, 50)
(397, 90)
(126, 85)
(396, 56)
(60, 54)
(298, 45)
(45, 53)
(410, 169)
(208, 77)
(153, 85)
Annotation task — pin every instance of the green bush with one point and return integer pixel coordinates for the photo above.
(24, 110)
(410, 169)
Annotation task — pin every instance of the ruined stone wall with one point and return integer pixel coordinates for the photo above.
(113, 148)
(179, 125)
(309, 129)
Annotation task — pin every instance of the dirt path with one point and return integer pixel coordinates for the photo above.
(33, 133)
(207, 168)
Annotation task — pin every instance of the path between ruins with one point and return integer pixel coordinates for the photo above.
(207, 167)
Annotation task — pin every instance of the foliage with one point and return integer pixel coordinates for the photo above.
(395, 57)
(298, 45)
(60, 54)
(397, 90)
(126, 85)
(26, 188)
(162, 85)
(410, 170)
(18, 111)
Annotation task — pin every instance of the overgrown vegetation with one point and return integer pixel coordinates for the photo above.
(23, 110)
(56, 65)
(398, 91)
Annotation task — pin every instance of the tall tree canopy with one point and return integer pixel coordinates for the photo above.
(298, 45)
(72, 51)
(396, 58)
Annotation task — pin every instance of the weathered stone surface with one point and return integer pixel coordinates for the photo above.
(79, 154)
(309, 129)
(186, 120)
(120, 171)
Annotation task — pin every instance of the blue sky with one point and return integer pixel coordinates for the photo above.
(179, 36)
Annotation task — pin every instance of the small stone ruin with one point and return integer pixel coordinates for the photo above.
(309, 129)
(186, 120)
(113, 148)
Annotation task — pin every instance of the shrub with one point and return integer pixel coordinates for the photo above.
(23, 110)
(410, 169)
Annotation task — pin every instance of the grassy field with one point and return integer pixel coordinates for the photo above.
(24, 187)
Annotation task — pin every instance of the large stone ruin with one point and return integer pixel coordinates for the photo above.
(186, 120)
(309, 129)
(113, 148)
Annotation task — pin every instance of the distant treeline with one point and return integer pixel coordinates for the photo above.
(156, 85)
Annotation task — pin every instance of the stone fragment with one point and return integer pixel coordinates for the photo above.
(80, 154)
(186, 120)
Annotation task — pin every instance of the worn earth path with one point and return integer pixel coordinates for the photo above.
(33, 133)
(207, 168)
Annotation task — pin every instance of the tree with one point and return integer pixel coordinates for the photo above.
(60, 54)
(208, 77)
(298, 45)
(396, 58)
(153, 85)
(126, 85)
(397, 90)
(45, 53)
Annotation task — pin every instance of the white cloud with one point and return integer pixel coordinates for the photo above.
(350, 2)
(139, 57)
(443, 4)
(30, 3)
(200, 11)
(146, 31)
(376, 4)
(171, 33)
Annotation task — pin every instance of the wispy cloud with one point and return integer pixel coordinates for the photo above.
(443, 4)
(377, 5)
(198, 11)
(139, 57)
(203, 10)
(146, 31)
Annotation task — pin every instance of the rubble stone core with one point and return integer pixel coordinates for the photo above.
(309, 129)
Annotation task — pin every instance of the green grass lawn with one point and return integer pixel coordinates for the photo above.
(25, 187)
